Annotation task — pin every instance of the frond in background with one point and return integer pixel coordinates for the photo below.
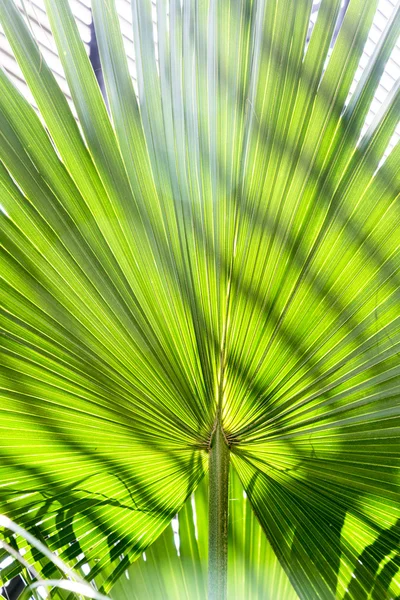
(175, 566)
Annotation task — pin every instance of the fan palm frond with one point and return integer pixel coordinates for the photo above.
(216, 255)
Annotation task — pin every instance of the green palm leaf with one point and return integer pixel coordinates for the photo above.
(176, 571)
(216, 254)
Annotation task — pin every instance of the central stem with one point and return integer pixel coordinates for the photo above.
(218, 516)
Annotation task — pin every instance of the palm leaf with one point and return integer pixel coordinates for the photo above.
(219, 250)
(70, 581)
(175, 565)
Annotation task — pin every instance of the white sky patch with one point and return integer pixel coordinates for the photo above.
(42, 592)
(6, 562)
(175, 529)
(3, 210)
(196, 531)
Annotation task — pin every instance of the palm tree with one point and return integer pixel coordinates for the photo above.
(202, 286)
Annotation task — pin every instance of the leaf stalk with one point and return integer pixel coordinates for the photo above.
(218, 515)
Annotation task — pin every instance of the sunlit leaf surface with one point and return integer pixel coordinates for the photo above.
(224, 237)
(175, 566)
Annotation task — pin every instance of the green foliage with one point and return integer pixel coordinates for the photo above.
(168, 574)
(223, 240)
